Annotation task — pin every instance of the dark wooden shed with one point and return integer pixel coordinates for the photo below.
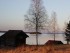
(13, 38)
(50, 42)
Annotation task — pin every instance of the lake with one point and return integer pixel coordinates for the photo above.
(43, 38)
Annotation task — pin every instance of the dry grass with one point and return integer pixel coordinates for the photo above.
(38, 49)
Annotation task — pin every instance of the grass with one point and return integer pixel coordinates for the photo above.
(38, 49)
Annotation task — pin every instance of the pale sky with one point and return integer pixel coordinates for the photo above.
(12, 12)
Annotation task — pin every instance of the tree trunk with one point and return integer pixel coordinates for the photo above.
(67, 42)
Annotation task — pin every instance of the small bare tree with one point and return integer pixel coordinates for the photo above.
(53, 24)
(36, 17)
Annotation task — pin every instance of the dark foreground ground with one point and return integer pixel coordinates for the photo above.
(38, 49)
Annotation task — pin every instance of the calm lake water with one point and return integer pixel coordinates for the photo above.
(43, 38)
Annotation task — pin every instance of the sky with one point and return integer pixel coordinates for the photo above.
(12, 12)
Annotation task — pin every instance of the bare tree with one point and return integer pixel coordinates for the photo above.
(53, 24)
(36, 17)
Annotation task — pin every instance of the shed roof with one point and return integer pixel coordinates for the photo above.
(13, 33)
(53, 42)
